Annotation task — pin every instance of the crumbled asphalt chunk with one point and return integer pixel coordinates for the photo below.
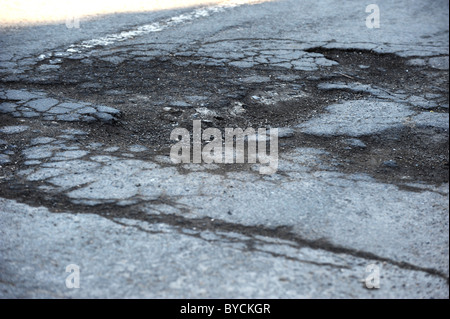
(180, 104)
(19, 95)
(390, 164)
(41, 140)
(58, 110)
(13, 129)
(432, 119)
(7, 107)
(354, 142)
(285, 132)
(106, 117)
(440, 63)
(51, 109)
(107, 109)
(73, 106)
(68, 117)
(32, 162)
(356, 118)
(42, 105)
(137, 148)
(4, 159)
(39, 152)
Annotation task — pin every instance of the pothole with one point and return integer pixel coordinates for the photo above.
(158, 95)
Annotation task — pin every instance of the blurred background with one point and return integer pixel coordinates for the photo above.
(29, 12)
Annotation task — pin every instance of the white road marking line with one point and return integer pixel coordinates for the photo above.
(157, 26)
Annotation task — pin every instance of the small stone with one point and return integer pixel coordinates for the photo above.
(390, 164)
(111, 149)
(56, 61)
(354, 142)
(87, 61)
(95, 145)
(105, 117)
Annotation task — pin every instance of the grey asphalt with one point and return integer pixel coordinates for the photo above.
(308, 231)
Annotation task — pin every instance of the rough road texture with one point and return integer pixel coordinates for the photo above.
(86, 178)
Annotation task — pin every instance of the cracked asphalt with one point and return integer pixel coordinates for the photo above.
(86, 178)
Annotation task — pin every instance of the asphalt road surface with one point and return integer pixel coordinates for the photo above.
(360, 195)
